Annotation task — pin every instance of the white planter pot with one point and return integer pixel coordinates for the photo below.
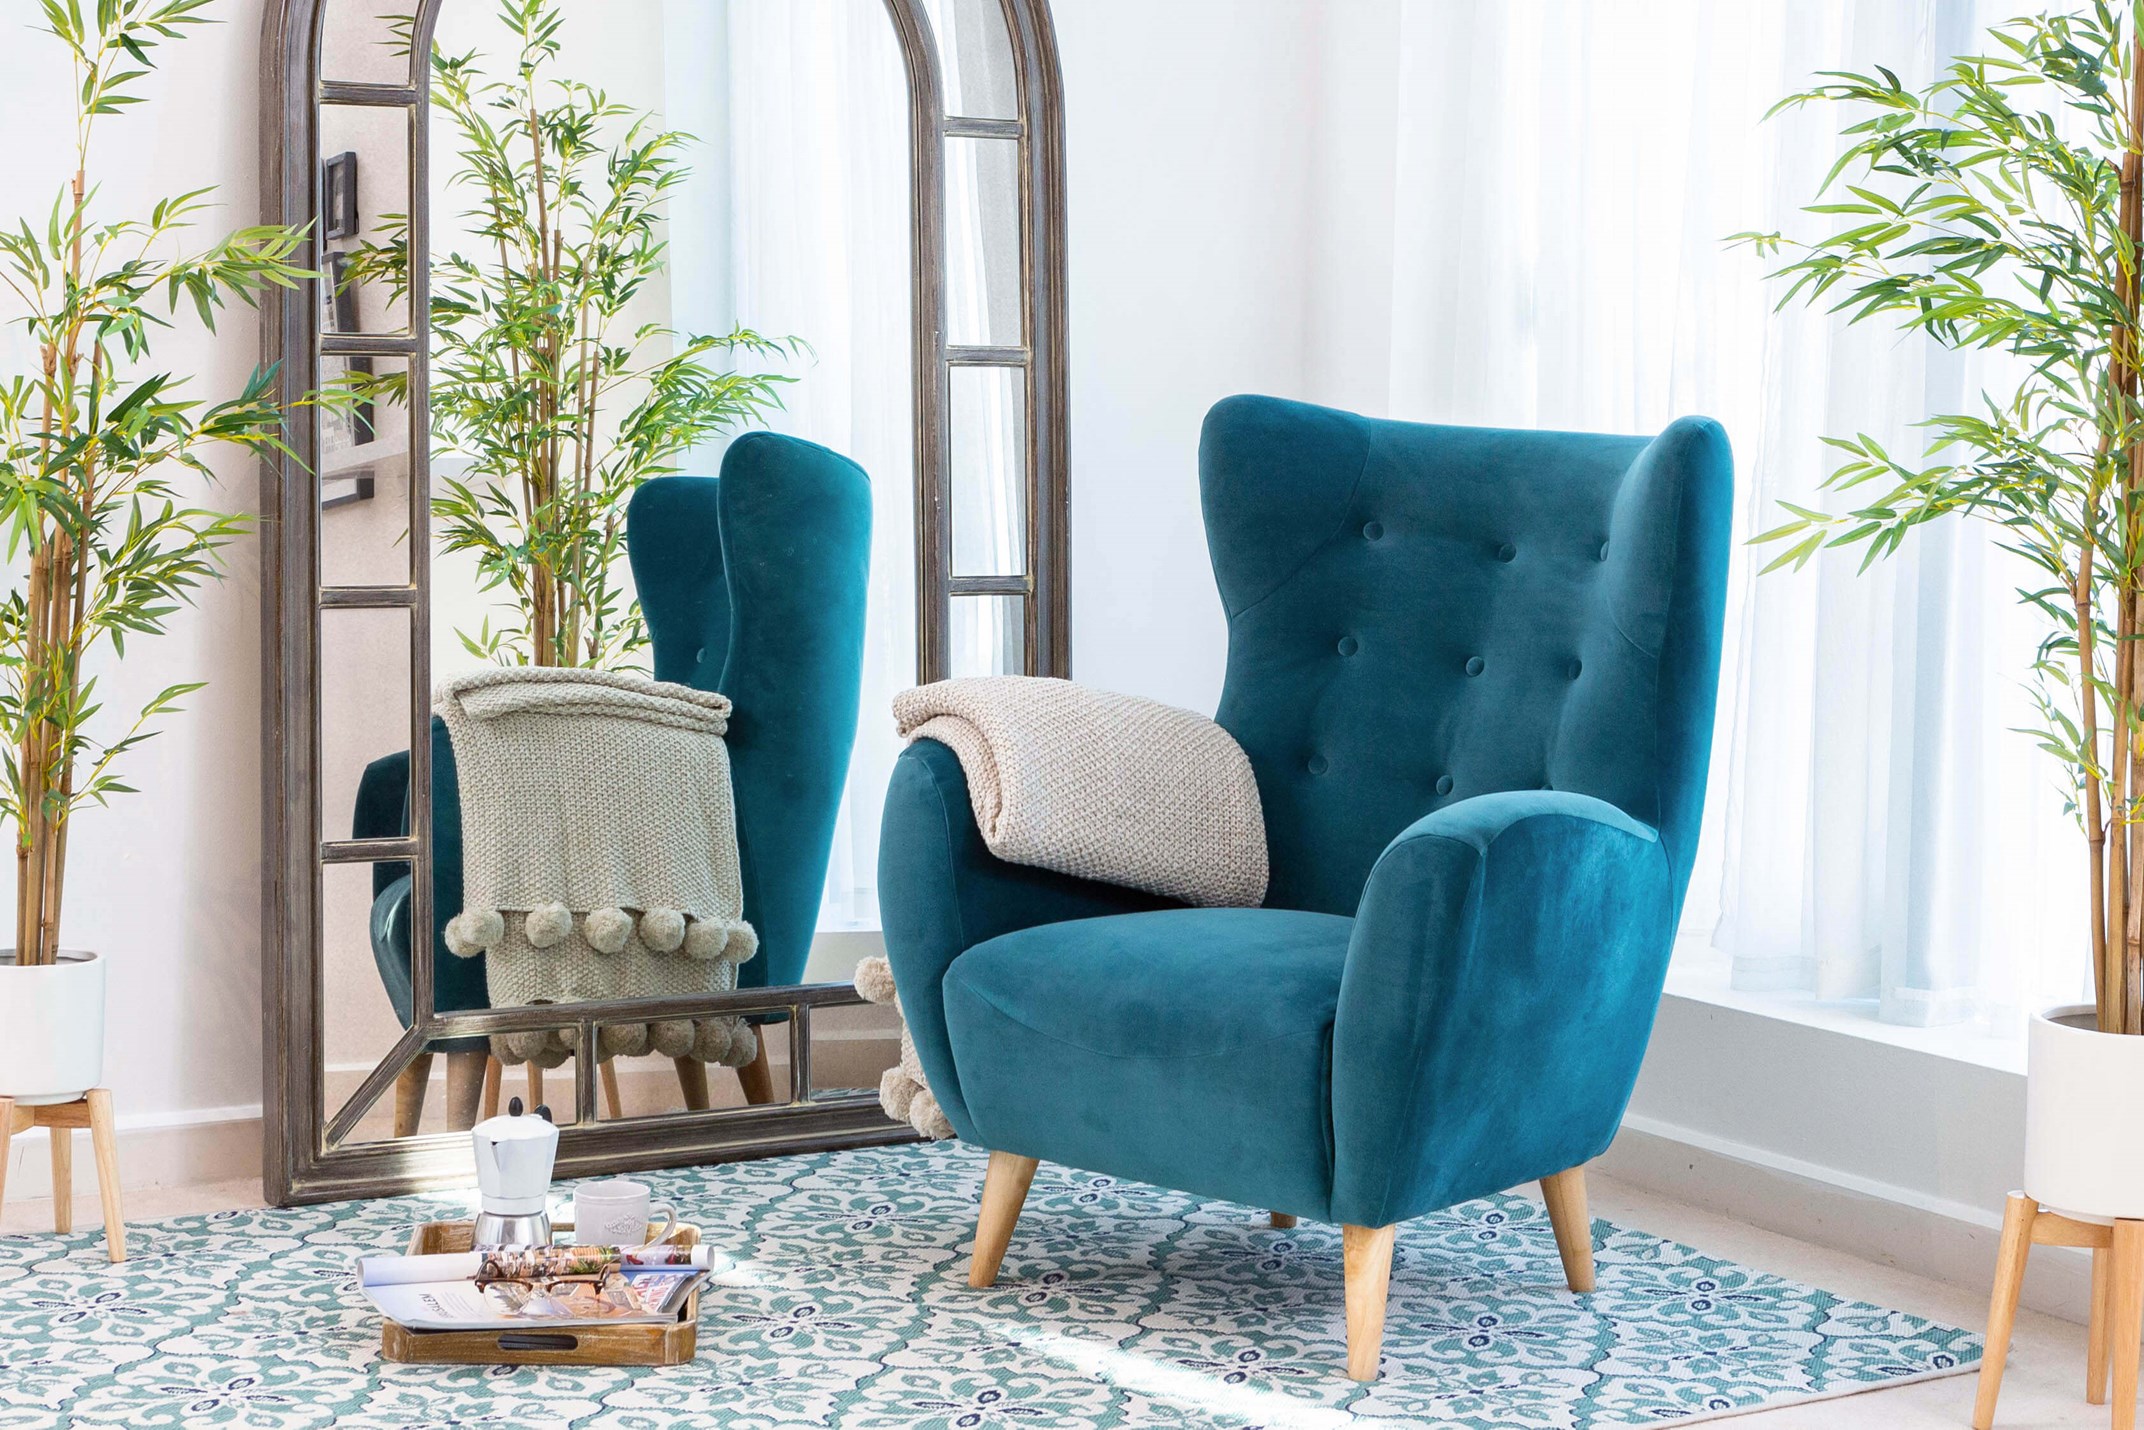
(51, 1028)
(2084, 1117)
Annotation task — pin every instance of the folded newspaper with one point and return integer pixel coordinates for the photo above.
(500, 1288)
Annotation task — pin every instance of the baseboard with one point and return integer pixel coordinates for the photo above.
(1944, 1240)
(221, 1144)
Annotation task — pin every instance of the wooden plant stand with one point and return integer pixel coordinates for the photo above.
(2117, 1303)
(94, 1111)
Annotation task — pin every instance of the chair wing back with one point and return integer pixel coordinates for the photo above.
(754, 584)
(1418, 614)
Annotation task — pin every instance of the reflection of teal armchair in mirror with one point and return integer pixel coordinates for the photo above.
(753, 584)
(1474, 674)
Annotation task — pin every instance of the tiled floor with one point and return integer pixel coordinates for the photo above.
(2044, 1387)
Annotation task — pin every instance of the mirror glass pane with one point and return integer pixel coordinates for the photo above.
(975, 58)
(851, 1050)
(364, 724)
(764, 283)
(989, 461)
(989, 635)
(364, 193)
(359, 1018)
(365, 41)
(645, 1074)
(982, 235)
(363, 476)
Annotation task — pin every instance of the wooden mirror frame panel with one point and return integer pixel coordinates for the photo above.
(305, 1157)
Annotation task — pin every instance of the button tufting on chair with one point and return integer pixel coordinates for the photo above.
(1441, 995)
(1349, 645)
(1507, 552)
(1576, 667)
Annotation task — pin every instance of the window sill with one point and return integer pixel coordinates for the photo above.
(1699, 974)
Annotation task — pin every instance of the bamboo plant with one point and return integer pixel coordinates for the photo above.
(96, 452)
(557, 408)
(1997, 208)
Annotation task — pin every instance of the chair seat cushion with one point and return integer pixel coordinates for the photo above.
(1191, 1048)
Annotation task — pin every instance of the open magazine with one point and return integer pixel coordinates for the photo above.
(499, 1288)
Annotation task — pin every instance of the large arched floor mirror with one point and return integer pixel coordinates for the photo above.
(875, 188)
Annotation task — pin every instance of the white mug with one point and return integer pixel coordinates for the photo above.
(617, 1213)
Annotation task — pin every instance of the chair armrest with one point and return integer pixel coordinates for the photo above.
(1507, 959)
(941, 892)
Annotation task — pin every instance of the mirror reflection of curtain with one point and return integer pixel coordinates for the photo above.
(817, 247)
(988, 407)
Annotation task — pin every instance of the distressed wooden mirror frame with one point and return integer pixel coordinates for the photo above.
(306, 1156)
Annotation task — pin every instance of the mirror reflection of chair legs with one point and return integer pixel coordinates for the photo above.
(473, 1080)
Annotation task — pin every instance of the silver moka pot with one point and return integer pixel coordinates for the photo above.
(513, 1177)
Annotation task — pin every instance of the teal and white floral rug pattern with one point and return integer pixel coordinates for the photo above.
(842, 1301)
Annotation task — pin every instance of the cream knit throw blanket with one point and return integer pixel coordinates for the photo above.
(1099, 785)
(599, 853)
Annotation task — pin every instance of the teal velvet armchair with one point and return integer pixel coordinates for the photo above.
(753, 584)
(1474, 673)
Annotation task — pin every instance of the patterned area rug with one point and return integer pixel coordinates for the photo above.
(842, 1301)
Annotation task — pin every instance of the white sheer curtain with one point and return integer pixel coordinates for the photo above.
(1563, 177)
(819, 249)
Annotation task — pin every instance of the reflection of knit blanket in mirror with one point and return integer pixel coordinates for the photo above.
(599, 853)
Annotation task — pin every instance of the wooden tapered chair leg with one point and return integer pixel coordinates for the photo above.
(692, 1081)
(1005, 1186)
(2125, 1318)
(2095, 1345)
(1366, 1254)
(1281, 1221)
(104, 1141)
(63, 1179)
(465, 1088)
(756, 1078)
(410, 1086)
(494, 1070)
(614, 1105)
(535, 1088)
(2018, 1216)
(1565, 1196)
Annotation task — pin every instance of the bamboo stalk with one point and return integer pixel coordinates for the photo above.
(2126, 993)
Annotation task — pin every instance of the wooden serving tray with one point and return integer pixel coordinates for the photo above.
(671, 1343)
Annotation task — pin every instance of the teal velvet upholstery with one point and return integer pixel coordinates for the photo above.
(1474, 672)
(753, 584)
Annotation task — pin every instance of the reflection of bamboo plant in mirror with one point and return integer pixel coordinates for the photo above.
(91, 449)
(1998, 208)
(558, 410)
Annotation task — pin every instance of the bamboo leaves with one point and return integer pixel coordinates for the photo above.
(555, 410)
(104, 543)
(1998, 208)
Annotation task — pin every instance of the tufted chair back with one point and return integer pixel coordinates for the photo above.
(1418, 614)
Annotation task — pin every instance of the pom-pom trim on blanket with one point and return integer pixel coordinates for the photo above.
(902, 1090)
